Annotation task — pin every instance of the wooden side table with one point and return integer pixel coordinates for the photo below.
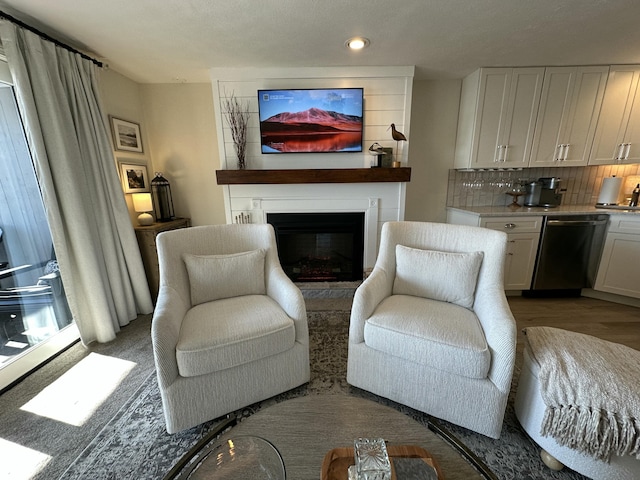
(146, 236)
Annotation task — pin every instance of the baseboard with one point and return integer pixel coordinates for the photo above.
(611, 297)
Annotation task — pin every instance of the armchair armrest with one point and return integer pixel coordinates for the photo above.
(165, 330)
(500, 331)
(368, 296)
(289, 297)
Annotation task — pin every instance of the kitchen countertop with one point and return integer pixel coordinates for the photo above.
(503, 211)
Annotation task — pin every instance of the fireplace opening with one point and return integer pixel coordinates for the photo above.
(320, 247)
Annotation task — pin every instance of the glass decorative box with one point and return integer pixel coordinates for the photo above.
(372, 459)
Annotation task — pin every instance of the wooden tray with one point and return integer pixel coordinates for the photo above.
(336, 462)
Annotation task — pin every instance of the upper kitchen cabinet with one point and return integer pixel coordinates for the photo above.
(569, 109)
(498, 108)
(617, 138)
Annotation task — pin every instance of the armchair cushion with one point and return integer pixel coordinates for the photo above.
(448, 277)
(213, 277)
(428, 332)
(229, 332)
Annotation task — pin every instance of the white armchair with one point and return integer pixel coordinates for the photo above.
(431, 328)
(229, 328)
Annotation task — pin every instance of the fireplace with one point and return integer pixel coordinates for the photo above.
(320, 247)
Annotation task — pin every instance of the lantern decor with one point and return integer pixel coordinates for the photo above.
(162, 200)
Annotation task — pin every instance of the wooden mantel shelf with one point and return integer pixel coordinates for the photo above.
(328, 175)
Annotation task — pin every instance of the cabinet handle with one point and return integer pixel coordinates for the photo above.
(558, 153)
(627, 151)
(620, 152)
(563, 152)
(506, 152)
(509, 225)
(499, 154)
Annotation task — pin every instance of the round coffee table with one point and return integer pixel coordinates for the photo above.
(242, 457)
(304, 429)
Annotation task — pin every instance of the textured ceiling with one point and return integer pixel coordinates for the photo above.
(164, 41)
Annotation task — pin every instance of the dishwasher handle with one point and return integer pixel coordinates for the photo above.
(576, 223)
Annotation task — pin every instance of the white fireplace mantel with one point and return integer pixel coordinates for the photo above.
(380, 203)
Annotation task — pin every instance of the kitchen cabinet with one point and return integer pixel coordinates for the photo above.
(523, 237)
(569, 108)
(497, 117)
(618, 270)
(617, 137)
(146, 236)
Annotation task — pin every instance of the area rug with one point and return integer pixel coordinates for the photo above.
(135, 444)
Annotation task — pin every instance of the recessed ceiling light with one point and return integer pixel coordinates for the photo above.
(357, 43)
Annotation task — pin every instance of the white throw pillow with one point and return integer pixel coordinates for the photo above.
(213, 277)
(448, 277)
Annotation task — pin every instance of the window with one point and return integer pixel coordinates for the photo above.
(35, 321)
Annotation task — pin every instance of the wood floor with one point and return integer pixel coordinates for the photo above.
(609, 321)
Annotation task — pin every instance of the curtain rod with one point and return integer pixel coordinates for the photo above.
(47, 37)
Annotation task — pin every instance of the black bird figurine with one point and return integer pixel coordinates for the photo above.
(397, 136)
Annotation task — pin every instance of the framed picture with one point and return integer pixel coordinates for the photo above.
(135, 176)
(126, 135)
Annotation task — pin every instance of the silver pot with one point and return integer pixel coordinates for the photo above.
(532, 195)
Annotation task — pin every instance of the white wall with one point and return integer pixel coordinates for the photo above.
(434, 122)
(179, 119)
(121, 99)
(179, 139)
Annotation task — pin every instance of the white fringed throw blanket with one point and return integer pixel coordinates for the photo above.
(591, 388)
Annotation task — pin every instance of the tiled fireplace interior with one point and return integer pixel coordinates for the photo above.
(320, 247)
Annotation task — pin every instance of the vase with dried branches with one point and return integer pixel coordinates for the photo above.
(237, 115)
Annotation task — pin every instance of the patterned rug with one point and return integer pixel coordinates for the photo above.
(135, 444)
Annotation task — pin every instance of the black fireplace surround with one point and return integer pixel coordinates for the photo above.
(320, 247)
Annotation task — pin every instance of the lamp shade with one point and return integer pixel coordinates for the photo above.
(142, 202)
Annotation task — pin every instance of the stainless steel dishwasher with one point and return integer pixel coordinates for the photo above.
(569, 252)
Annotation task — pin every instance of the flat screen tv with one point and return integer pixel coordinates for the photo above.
(311, 120)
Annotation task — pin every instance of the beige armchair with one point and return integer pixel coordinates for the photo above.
(431, 328)
(229, 328)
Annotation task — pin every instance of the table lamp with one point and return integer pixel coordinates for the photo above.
(142, 203)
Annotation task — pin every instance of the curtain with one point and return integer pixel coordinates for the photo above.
(26, 238)
(95, 244)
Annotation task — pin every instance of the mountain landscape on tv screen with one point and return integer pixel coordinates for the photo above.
(314, 120)
(312, 130)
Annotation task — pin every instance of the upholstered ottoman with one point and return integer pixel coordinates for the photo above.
(530, 410)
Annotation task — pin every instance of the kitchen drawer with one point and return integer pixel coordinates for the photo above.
(520, 224)
(629, 223)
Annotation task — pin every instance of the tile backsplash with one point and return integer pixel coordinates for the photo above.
(484, 187)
